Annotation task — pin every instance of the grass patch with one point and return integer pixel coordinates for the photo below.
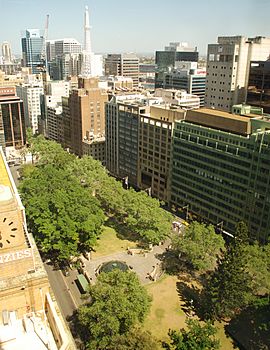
(166, 311)
(225, 341)
(166, 308)
(109, 243)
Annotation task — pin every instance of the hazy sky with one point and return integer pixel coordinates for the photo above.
(136, 25)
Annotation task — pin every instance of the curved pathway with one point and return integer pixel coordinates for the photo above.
(142, 264)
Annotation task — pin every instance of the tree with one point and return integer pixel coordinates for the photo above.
(199, 245)
(64, 218)
(106, 189)
(229, 287)
(258, 268)
(241, 234)
(139, 213)
(197, 337)
(48, 152)
(118, 302)
(145, 217)
(136, 338)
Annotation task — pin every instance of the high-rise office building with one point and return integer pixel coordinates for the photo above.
(122, 114)
(51, 108)
(6, 52)
(12, 124)
(126, 65)
(169, 58)
(54, 129)
(66, 45)
(138, 140)
(64, 58)
(32, 46)
(258, 93)
(12, 80)
(221, 168)
(155, 137)
(31, 96)
(86, 113)
(228, 64)
(188, 77)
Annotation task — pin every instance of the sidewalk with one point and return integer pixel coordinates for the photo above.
(139, 263)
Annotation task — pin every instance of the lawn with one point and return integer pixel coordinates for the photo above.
(166, 308)
(166, 311)
(109, 243)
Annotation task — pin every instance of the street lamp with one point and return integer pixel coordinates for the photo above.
(220, 224)
(125, 179)
(186, 207)
(148, 191)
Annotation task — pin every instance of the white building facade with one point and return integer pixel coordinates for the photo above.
(31, 95)
(227, 69)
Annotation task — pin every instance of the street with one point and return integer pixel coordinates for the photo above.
(14, 172)
(65, 290)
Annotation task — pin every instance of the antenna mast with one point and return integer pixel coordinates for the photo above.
(87, 52)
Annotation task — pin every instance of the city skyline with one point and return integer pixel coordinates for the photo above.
(144, 27)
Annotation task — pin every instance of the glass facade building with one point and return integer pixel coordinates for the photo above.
(12, 122)
(190, 81)
(165, 60)
(222, 176)
(128, 129)
(32, 45)
(258, 93)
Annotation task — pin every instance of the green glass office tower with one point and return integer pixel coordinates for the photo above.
(221, 169)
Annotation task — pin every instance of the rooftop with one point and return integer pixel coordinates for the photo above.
(218, 113)
(28, 333)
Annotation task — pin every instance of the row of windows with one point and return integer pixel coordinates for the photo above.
(232, 173)
(209, 192)
(208, 179)
(211, 204)
(219, 157)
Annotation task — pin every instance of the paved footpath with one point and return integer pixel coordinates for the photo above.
(139, 263)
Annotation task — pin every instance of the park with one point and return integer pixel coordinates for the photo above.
(171, 288)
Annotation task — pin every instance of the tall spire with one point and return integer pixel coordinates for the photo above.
(87, 52)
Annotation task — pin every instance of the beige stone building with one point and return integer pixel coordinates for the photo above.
(228, 64)
(29, 318)
(155, 137)
(126, 65)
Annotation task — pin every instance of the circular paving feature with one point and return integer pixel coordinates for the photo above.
(112, 265)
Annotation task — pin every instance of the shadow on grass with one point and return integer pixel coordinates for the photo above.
(251, 328)
(122, 232)
(170, 262)
(173, 265)
(191, 297)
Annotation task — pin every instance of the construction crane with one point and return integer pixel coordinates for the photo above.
(44, 66)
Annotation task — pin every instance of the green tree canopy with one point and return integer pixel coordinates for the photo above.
(229, 287)
(136, 338)
(199, 245)
(139, 213)
(62, 215)
(258, 267)
(145, 217)
(197, 337)
(118, 302)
